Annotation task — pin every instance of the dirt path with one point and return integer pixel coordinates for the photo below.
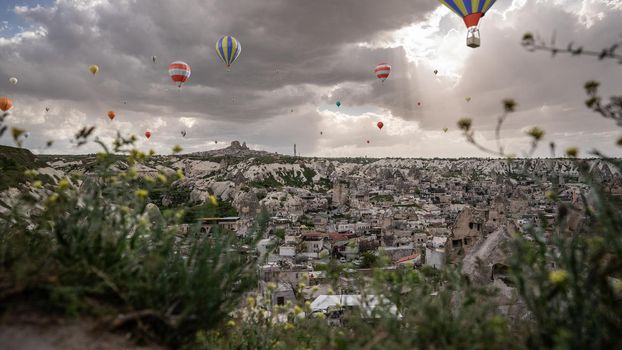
(43, 333)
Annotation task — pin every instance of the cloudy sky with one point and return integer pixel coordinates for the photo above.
(299, 57)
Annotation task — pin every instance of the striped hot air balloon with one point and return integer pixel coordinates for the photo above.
(470, 11)
(382, 71)
(228, 49)
(179, 72)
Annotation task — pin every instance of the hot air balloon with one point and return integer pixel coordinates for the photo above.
(5, 103)
(435, 71)
(367, 141)
(382, 71)
(470, 11)
(380, 125)
(292, 111)
(153, 58)
(468, 98)
(418, 103)
(183, 133)
(228, 49)
(216, 141)
(13, 80)
(179, 71)
(94, 69)
(338, 103)
(47, 109)
(111, 115)
(148, 134)
(26, 135)
(445, 129)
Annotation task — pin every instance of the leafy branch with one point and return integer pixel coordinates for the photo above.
(532, 44)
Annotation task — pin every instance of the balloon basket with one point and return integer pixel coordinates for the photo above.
(473, 39)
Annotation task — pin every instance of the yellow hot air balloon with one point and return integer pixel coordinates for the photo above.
(445, 129)
(468, 98)
(94, 69)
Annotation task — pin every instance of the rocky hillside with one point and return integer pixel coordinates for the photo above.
(250, 178)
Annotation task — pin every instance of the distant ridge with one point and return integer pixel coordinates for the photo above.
(236, 149)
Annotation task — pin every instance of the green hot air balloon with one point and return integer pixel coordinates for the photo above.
(338, 103)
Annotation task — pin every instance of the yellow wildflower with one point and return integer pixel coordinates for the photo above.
(251, 301)
(297, 310)
(31, 173)
(142, 194)
(63, 184)
(558, 276)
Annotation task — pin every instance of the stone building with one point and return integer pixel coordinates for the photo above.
(467, 229)
(341, 192)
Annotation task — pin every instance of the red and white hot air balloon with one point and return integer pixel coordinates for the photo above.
(179, 72)
(380, 125)
(382, 71)
(148, 134)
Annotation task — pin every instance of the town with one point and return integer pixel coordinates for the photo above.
(411, 213)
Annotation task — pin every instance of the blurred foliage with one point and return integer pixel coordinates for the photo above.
(93, 244)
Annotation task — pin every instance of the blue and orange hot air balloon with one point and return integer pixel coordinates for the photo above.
(228, 49)
(471, 11)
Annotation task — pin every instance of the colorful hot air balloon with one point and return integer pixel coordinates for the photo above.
(5, 104)
(148, 134)
(445, 129)
(380, 125)
(94, 69)
(338, 103)
(13, 80)
(382, 71)
(111, 115)
(47, 109)
(179, 71)
(183, 133)
(435, 71)
(228, 49)
(471, 11)
(468, 98)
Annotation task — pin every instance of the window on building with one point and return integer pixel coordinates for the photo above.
(280, 300)
(470, 225)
